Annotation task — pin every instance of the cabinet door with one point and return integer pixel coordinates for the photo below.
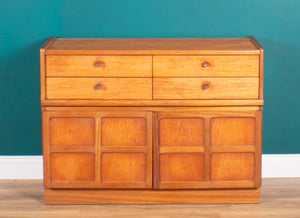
(179, 150)
(235, 149)
(125, 150)
(203, 150)
(69, 148)
(97, 149)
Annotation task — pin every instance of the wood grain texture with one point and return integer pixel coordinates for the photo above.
(261, 66)
(72, 131)
(181, 149)
(261, 74)
(232, 166)
(181, 167)
(153, 103)
(123, 167)
(110, 88)
(153, 46)
(181, 132)
(207, 149)
(229, 131)
(43, 66)
(234, 148)
(123, 131)
(154, 109)
(152, 197)
(258, 147)
(72, 167)
(192, 88)
(156, 150)
(192, 66)
(125, 162)
(46, 146)
(110, 66)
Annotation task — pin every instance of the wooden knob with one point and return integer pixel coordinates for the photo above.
(98, 64)
(205, 86)
(98, 86)
(205, 64)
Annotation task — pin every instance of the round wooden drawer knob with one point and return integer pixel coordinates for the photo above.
(205, 64)
(98, 86)
(205, 86)
(98, 64)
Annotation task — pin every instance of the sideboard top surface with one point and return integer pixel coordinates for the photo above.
(152, 46)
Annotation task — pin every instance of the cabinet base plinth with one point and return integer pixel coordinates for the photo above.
(92, 196)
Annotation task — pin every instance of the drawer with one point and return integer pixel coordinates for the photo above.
(98, 66)
(206, 66)
(205, 88)
(98, 88)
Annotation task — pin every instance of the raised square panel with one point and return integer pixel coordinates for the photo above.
(72, 167)
(181, 132)
(123, 131)
(232, 166)
(65, 131)
(181, 167)
(129, 167)
(232, 131)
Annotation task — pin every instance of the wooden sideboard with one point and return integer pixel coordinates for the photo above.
(152, 121)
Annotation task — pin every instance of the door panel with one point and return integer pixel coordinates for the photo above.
(232, 166)
(234, 131)
(129, 131)
(181, 132)
(181, 167)
(123, 167)
(72, 167)
(67, 131)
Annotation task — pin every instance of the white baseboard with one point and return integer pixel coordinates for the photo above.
(31, 167)
(282, 165)
(21, 167)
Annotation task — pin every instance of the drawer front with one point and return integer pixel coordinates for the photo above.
(98, 66)
(99, 88)
(206, 66)
(205, 88)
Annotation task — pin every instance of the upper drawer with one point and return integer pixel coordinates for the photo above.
(206, 66)
(98, 66)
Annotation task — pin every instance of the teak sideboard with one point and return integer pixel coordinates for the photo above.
(152, 121)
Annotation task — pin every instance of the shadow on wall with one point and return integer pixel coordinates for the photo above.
(20, 101)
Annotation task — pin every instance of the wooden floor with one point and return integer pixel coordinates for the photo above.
(24, 198)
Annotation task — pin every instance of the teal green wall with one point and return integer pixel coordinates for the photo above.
(25, 25)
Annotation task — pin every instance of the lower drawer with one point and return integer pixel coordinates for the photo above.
(205, 88)
(99, 88)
